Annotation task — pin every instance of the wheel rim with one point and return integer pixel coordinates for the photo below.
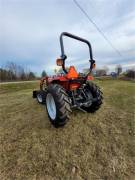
(39, 97)
(51, 107)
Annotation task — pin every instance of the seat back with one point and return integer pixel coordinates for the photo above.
(72, 73)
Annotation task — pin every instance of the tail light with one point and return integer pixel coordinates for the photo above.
(59, 62)
(94, 66)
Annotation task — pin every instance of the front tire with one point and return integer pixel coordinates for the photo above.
(41, 95)
(57, 105)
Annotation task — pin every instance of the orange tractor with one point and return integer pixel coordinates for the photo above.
(61, 93)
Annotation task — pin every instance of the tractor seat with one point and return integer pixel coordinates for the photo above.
(72, 73)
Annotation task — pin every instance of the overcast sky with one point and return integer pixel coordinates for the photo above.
(30, 30)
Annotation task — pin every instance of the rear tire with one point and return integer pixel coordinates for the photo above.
(96, 93)
(57, 105)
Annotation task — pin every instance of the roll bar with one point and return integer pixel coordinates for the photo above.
(63, 56)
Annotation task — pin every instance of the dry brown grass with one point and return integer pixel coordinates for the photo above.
(90, 146)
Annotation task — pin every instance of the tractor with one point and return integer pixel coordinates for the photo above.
(69, 90)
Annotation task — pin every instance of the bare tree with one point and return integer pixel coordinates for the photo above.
(12, 68)
(21, 74)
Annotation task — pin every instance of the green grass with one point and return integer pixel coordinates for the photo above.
(90, 146)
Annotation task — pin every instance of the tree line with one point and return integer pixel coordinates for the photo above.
(15, 72)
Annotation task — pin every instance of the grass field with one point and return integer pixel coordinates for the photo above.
(98, 146)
